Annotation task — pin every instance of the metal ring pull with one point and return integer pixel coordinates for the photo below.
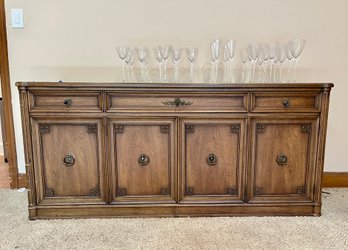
(69, 160)
(286, 103)
(211, 160)
(143, 160)
(67, 102)
(282, 160)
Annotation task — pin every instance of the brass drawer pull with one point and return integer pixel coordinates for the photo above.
(211, 160)
(67, 103)
(177, 102)
(143, 160)
(69, 160)
(286, 103)
(282, 160)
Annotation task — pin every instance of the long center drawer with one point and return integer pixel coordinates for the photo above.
(174, 102)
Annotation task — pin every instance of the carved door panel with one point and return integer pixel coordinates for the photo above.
(67, 158)
(283, 159)
(212, 160)
(143, 160)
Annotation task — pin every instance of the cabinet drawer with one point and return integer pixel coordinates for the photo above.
(280, 102)
(168, 103)
(65, 101)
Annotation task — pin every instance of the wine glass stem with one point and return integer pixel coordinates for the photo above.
(165, 70)
(270, 71)
(243, 73)
(254, 68)
(212, 73)
(191, 72)
(175, 72)
(123, 71)
(280, 72)
(143, 72)
(295, 66)
(160, 71)
(289, 71)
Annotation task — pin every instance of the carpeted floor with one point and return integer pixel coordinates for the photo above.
(330, 231)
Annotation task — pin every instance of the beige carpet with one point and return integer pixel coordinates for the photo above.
(330, 231)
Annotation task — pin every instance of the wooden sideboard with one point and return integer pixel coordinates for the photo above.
(119, 149)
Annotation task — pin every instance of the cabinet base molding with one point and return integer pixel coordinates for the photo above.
(54, 212)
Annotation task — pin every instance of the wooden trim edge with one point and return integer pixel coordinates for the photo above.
(22, 181)
(335, 179)
(330, 179)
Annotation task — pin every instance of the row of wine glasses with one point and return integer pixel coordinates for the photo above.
(260, 62)
(269, 59)
(161, 53)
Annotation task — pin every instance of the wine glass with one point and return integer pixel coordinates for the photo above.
(282, 58)
(143, 57)
(272, 58)
(229, 50)
(165, 52)
(176, 54)
(254, 50)
(215, 54)
(122, 54)
(192, 54)
(296, 47)
(158, 58)
(290, 58)
(244, 58)
(130, 63)
(261, 61)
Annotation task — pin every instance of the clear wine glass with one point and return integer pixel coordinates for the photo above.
(159, 60)
(261, 61)
(130, 63)
(296, 47)
(226, 68)
(165, 52)
(143, 57)
(244, 58)
(122, 54)
(176, 54)
(254, 50)
(272, 57)
(192, 54)
(290, 59)
(215, 54)
(282, 58)
(229, 50)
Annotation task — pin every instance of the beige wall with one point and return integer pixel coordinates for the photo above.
(75, 40)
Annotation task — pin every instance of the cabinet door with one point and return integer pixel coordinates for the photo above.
(67, 157)
(212, 160)
(283, 159)
(143, 160)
